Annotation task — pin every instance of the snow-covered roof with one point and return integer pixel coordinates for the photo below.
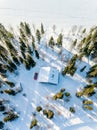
(48, 75)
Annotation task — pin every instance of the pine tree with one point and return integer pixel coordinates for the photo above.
(15, 59)
(92, 72)
(30, 60)
(42, 29)
(71, 68)
(27, 29)
(51, 42)
(10, 47)
(28, 67)
(38, 35)
(59, 40)
(37, 54)
(12, 65)
(33, 42)
(28, 49)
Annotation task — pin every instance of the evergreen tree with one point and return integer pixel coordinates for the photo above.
(28, 67)
(30, 61)
(75, 42)
(92, 72)
(38, 35)
(51, 42)
(10, 47)
(71, 68)
(33, 42)
(10, 69)
(15, 59)
(28, 49)
(12, 65)
(42, 29)
(37, 54)
(27, 29)
(59, 40)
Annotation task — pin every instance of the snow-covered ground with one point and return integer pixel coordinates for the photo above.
(39, 94)
(63, 13)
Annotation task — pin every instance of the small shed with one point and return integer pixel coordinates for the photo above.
(48, 75)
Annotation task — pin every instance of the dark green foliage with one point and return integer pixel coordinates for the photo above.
(67, 94)
(84, 30)
(79, 94)
(72, 109)
(86, 107)
(28, 67)
(88, 90)
(33, 42)
(51, 42)
(1, 125)
(11, 47)
(27, 29)
(20, 59)
(92, 72)
(65, 71)
(22, 45)
(15, 59)
(3, 75)
(37, 54)
(38, 35)
(11, 84)
(59, 95)
(23, 32)
(39, 108)
(59, 40)
(2, 69)
(71, 68)
(3, 54)
(74, 42)
(12, 65)
(10, 69)
(89, 45)
(23, 55)
(30, 61)
(42, 29)
(4, 57)
(10, 117)
(45, 112)
(33, 123)
(4, 34)
(87, 102)
(10, 92)
(49, 113)
(28, 49)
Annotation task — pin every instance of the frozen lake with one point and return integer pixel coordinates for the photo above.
(60, 12)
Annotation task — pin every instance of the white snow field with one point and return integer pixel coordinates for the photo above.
(40, 94)
(63, 13)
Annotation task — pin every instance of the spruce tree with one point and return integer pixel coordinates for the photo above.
(59, 40)
(30, 60)
(38, 35)
(42, 29)
(33, 42)
(15, 59)
(51, 42)
(12, 65)
(27, 29)
(37, 54)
